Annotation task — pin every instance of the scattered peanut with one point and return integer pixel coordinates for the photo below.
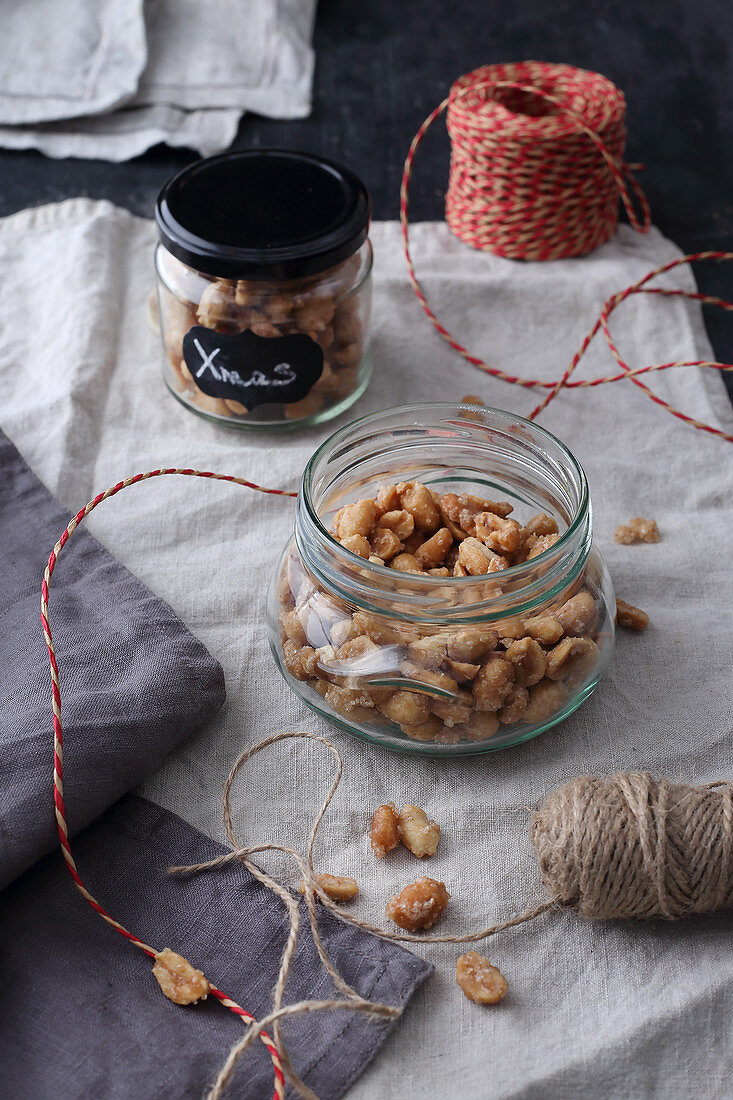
(419, 835)
(384, 834)
(479, 980)
(336, 887)
(418, 905)
(637, 530)
(633, 618)
(180, 982)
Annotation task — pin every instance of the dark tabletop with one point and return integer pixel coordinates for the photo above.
(382, 66)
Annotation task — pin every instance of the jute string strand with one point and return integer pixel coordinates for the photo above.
(624, 846)
(531, 185)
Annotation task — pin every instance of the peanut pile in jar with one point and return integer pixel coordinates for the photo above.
(459, 684)
(331, 308)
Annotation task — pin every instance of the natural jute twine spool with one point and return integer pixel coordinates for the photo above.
(620, 847)
(537, 170)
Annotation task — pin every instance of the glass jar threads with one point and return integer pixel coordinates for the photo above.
(264, 288)
(442, 593)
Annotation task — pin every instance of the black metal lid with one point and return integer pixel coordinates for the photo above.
(263, 214)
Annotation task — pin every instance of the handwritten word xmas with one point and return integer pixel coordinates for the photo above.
(285, 372)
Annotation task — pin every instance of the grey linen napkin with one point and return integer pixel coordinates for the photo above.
(84, 1016)
(134, 681)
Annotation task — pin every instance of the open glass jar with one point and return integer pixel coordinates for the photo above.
(264, 288)
(474, 629)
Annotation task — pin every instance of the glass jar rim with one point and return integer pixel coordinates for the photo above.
(579, 524)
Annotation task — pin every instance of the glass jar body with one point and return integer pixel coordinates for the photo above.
(428, 662)
(329, 311)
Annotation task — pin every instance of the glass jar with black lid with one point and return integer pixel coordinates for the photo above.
(264, 288)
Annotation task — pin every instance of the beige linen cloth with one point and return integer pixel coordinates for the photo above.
(613, 1010)
(107, 79)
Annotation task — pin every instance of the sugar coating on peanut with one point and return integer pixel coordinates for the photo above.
(336, 887)
(637, 530)
(482, 982)
(384, 834)
(418, 905)
(418, 834)
(180, 981)
(633, 618)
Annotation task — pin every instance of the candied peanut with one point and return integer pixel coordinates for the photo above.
(418, 905)
(356, 519)
(482, 726)
(263, 327)
(441, 572)
(514, 707)
(336, 887)
(293, 627)
(571, 659)
(453, 712)
(418, 834)
(529, 661)
(414, 541)
(348, 700)
(388, 500)
(463, 509)
(375, 560)
(236, 407)
(637, 530)
(379, 629)
(308, 406)
(213, 405)
(544, 628)
(434, 549)
(357, 544)
(498, 533)
(406, 708)
(342, 631)
(479, 980)
(461, 671)
(493, 684)
(385, 543)
(217, 305)
(418, 501)
(471, 399)
(384, 834)
(631, 617)
(471, 644)
(541, 525)
(430, 651)
(300, 661)
(406, 563)
(181, 982)
(429, 678)
(578, 615)
(545, 699)
(355, 648)
(537, 544)
(460, 570)
(475, 557)
(430, 730)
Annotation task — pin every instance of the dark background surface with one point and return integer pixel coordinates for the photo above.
(381, 67)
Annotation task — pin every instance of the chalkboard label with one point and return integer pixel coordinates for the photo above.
(254, 370)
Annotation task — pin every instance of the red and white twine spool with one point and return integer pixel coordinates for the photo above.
(537, 161)
(536, 173)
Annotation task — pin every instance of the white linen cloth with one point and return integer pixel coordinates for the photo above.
(615, 1010)
(107, 79)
